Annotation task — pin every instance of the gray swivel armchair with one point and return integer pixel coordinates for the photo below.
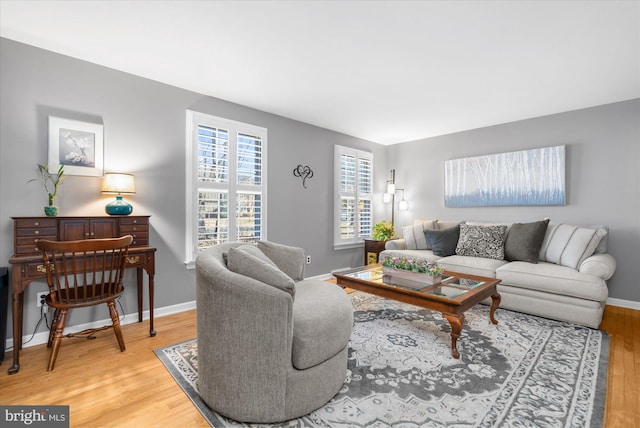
(271, 346)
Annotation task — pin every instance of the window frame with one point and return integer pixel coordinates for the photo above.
(357, 240)
(193, 185)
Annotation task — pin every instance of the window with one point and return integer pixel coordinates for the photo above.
(226, 182)
(353, 196)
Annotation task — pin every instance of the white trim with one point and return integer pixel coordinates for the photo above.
(132, 318)
(193, 119)
(630, 304)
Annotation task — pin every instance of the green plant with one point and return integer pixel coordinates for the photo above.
(382, 231)
(49, 181)
(414, 265)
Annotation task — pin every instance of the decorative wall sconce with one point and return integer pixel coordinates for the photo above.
(118, 184)
(390, 196)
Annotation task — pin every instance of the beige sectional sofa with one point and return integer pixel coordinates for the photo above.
(552, 270)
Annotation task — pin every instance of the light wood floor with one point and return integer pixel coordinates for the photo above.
(107, 388)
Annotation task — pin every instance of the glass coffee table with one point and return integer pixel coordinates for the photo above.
(456, 293)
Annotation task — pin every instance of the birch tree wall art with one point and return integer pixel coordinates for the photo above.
(525, 178)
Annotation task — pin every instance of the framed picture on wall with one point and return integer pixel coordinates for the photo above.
(79, 146)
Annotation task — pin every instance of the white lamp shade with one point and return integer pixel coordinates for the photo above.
(118, 183)
(386, 198)
(391, 188)
(403, 205)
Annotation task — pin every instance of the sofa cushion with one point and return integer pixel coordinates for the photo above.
(472, 265)
(569, 245)
(447, 224)
(322, 322)
(414, 234)
(481, 241)
(289, 260)
(552, 278)
(524, 241)
(443, 242)
(246, 261)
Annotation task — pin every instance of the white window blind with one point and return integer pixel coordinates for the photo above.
(226, 182)
(353, 194)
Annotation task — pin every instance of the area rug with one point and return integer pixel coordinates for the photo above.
(526, 371)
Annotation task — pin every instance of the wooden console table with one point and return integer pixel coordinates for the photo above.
(27, 265)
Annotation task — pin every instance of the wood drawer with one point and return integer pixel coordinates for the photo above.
(28, 245)
(37, 232)
(35, 222)
(134, 221)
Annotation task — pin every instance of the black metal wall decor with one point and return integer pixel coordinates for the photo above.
(303, 172)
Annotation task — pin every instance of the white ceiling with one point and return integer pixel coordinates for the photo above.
(385, 71)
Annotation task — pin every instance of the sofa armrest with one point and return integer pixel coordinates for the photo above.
(600, 265)
(396, 244)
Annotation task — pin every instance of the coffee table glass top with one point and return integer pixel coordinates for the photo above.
(449, 287)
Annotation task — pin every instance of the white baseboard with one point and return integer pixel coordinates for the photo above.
(623, 303)
(43, 336)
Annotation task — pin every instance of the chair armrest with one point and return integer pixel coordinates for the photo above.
(396, 244)
(600, 265)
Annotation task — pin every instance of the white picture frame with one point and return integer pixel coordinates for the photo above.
(79, 146)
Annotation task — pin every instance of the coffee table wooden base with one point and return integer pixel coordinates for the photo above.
(457, 321)
(370, 279)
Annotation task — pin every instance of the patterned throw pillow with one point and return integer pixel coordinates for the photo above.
(481, 241)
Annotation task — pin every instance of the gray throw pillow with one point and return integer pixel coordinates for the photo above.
(524, 241)
(289, 260)
(443, 242)
(245, 261)
(481, 241)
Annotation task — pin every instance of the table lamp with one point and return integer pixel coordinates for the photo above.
(118, 184)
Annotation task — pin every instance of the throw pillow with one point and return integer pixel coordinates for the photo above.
(443, 242)
(569, 245)
(246, 262)
(524, 241)
(481, 241)
(414, 237)
(289, 260)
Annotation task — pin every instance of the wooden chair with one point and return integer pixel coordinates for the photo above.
(80, 274)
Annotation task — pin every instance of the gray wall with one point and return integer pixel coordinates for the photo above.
(144, 133)
(602, 177)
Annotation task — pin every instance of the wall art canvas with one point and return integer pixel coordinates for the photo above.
(76, 145)
(525, 178)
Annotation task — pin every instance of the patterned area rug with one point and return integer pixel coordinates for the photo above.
(526, 371)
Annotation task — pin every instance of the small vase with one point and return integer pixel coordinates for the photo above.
(51, 211)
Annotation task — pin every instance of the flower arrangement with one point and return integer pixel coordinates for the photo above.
(414, 265)
(382, 231)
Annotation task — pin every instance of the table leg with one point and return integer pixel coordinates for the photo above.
(152, 332)
(495, 302)
(140, 280)
(456, 323)
(18, 306)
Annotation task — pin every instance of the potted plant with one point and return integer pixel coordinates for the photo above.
(50, 182)
(382, 231)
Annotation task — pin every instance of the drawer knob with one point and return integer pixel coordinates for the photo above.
(36, 224)
(37, 232)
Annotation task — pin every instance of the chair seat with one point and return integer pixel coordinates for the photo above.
(322, 322)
